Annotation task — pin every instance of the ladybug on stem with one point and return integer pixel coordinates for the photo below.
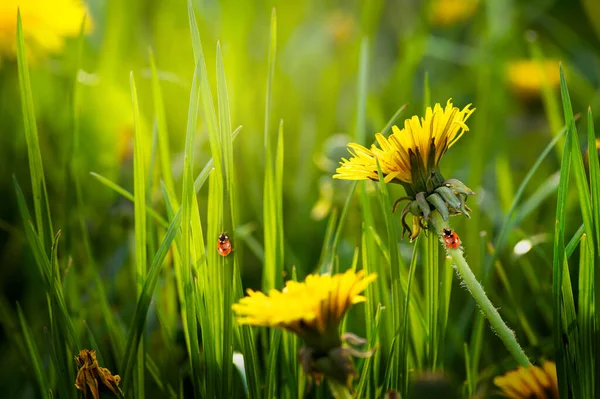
(451, 239)
(224, 245)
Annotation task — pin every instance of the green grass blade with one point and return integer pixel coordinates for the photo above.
(577, 164)
(586, 319)
(273, 266)
(41, 204)
(403, 349)
(594, 168)
(34, 356)
(139, 202)
(139, 317)
(128, 195)
(327, 267)
(398, 291)
(53, 286)
(163, 134)
(187, 283)
(272, 364)
(562, 362)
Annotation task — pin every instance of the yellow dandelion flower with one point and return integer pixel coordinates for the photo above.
(408, 154)
(530, 383)
(527, 77)
(315, 306)
(451, 12)
(411, 156)
(312, 309)
(46, 24)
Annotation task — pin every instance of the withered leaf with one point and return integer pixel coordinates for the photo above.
(90, 373)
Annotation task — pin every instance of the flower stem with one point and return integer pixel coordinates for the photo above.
(338, 390)
(498, 325)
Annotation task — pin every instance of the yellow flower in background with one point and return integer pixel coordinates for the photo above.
(530, 383)
(450, 12)
(312, 309)
(46, 24)
(527, 77)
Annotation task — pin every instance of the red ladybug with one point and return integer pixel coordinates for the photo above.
(224, 245)
(451, 239)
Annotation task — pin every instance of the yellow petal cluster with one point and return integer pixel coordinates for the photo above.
(46, 24)
(422, 142)
(315, 305)
(530, 383)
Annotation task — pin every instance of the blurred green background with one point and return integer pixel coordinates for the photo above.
(472, 51)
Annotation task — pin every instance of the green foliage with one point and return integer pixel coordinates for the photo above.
(177, 169)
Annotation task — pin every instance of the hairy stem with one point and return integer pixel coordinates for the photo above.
(498, 325)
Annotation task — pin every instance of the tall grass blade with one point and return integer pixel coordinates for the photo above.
(273, 266)
(34, 356)
(138, 323)
(562, 361)
(594, 168)
(398, 376)
(139, 193)
(41, 204)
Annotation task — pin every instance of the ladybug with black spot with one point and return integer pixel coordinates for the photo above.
(451, 239)
(224, 245)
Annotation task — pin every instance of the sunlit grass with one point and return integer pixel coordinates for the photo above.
(149, 291)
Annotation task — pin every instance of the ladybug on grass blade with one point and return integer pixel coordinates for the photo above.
(224, 245)
(451, 239)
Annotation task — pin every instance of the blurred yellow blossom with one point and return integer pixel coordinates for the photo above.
(526, 77)
(530, 383)
(450, 12)
(46, 24)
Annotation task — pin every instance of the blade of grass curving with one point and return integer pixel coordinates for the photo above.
(594, 168)
(128, 195)
(586, 325)
(163, 134)
(398, 378)
(562, 362)
(41, 203)
(577, 164)
(139, 201)
(201, 179)
(53, 286)
(586, 318)
(34, 355)
(574, 241)
(145, 298)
